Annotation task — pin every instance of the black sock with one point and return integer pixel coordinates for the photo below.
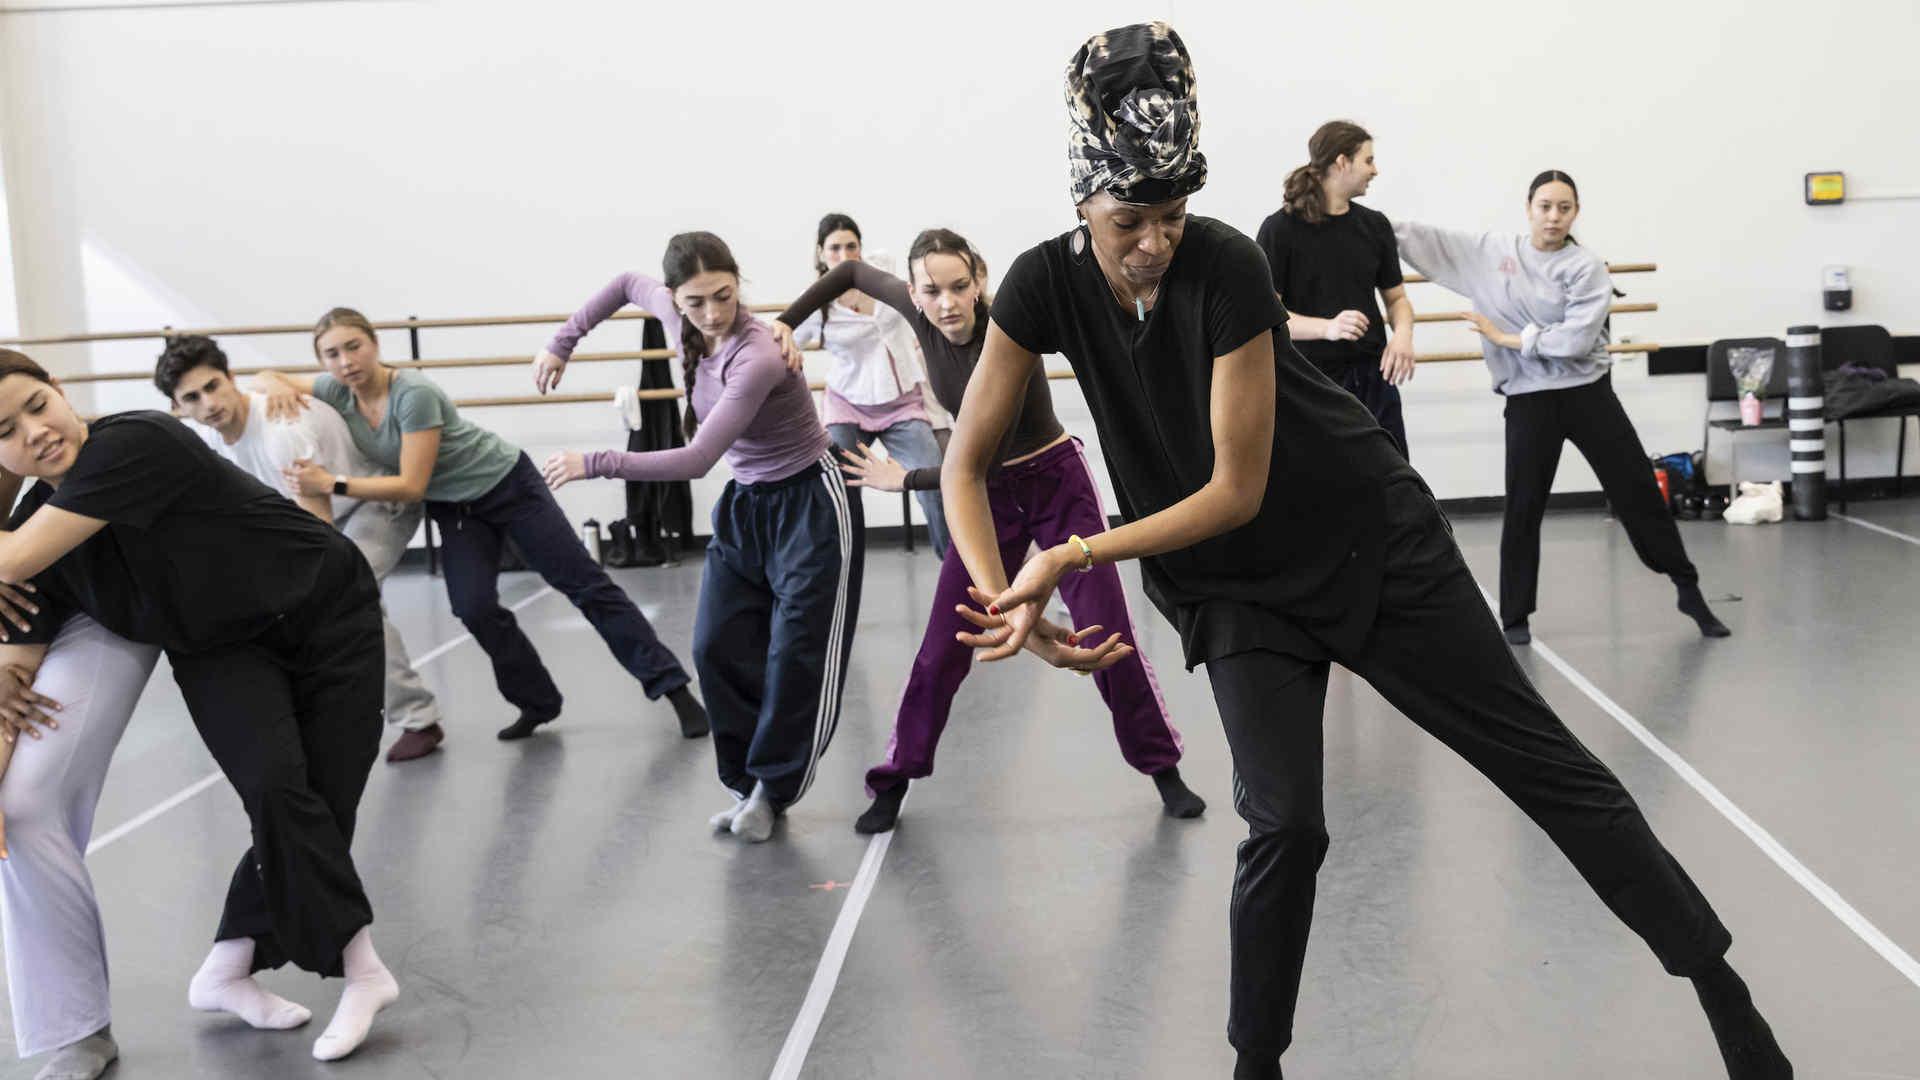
(522, 727)
(885, 810)
(1517, 633)
(692, 714)
(1694, 605)
(1178, 799)
(1746, 1042)
(1256, 1067)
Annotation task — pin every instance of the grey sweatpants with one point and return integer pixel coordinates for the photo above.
(56, 947)
(381, 531)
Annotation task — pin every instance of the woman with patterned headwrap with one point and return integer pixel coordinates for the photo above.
(1280, 530)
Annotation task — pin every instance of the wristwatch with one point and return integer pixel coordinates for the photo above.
(339, 485)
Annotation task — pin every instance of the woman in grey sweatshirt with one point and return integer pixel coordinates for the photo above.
(1540, 303)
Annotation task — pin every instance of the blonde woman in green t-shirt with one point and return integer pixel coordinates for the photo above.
(481, 491)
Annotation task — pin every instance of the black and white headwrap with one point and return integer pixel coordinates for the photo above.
(1133, 123)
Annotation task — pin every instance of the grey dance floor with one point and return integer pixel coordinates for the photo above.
(558, 908)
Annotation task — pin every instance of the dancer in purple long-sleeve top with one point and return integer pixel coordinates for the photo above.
(781, 588)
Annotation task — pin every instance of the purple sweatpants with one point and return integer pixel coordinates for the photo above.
(1042, 500)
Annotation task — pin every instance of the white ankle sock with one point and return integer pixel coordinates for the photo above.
(723, 820)
(370, 988)
(754, 822)
(225, 983)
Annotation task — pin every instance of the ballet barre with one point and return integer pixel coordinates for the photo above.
(640, 354)
(1612, 268)
(414, 325)
(674, 393)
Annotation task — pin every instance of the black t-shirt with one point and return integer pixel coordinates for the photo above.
(196, 553)
(1305, 573)
(949, 366)
(1337, 265)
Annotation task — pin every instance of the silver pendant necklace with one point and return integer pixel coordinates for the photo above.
(1139, 305)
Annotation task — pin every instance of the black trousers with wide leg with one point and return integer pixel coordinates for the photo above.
(293, 718)
(1437, 655)
(1591, 417)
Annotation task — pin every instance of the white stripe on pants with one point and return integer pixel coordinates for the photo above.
(56, 946)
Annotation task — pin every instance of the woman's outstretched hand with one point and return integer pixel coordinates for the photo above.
(21, 709)
(564, 468)
(17, 608)
(1490, 330)
(864, 468)
(547, 369)
(789, 351)
(1054, 644)
(284, 400)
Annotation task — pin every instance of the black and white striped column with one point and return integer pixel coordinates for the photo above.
(1807, 423)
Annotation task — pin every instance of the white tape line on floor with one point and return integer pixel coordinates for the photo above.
(793, 1055)
(209, 781)
(1863, 928)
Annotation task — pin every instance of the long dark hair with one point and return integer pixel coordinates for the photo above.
(1305, 197)
(1555, 176)
(942, 242)
(689, 254)
(830, 224)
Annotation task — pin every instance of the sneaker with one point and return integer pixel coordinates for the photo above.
(1757, 503)
(416, 744)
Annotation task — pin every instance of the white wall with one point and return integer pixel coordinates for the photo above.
(261, 163)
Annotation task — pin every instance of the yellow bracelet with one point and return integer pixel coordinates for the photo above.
(1086, 553)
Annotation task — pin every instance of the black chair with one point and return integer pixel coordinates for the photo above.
(1723, 391)
(1867, 347)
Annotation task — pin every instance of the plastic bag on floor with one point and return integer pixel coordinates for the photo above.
(1757, 504)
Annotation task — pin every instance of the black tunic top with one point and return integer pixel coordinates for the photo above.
(1338, 264)
(196, 553)
(949, 366)
(1303, 577)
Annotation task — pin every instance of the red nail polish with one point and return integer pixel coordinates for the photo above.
(1073, 639)
(993, 609)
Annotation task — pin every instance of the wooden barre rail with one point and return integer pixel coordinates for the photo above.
(675, 394)
(465, 361)
(641, 354)
(461, 323)
(1612, 268)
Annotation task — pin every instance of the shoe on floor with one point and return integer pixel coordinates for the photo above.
(1757, 503)
(416, 744)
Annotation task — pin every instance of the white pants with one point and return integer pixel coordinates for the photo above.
(56, 946)
(381, 531)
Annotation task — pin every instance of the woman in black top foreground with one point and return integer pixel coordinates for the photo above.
(271, 621)
(1280, 530)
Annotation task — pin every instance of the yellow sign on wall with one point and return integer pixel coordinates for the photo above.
(1826, 187)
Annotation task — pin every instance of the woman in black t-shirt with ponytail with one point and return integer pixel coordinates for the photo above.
(1280, 529)
(1329, 255)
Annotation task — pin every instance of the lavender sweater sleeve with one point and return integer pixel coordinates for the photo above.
(745, 384)
(636, 289)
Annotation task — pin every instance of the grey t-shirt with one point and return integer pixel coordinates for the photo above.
(472, 460)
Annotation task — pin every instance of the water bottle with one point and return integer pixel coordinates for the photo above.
(590, 536)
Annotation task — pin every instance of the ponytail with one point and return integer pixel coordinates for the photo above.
(1304, 194)
(693, 346)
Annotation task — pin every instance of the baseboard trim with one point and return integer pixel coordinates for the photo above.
(1867, 489)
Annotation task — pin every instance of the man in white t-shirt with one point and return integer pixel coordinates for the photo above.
(193, 374)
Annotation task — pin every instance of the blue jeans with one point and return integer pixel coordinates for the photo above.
(520, 506)
(912, 445)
